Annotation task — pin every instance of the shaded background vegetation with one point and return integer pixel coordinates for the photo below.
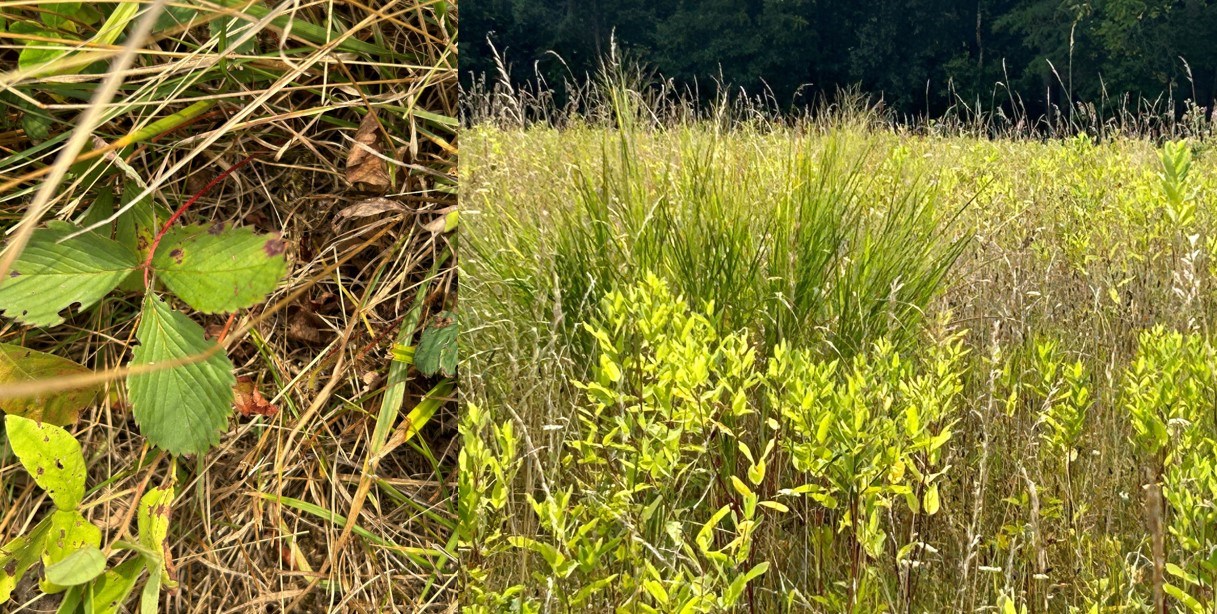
(921, 56)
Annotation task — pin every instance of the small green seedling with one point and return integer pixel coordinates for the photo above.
(67, 544)
(53, 459)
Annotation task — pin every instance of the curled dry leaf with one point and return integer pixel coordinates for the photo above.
(445, 221)
(250, 402)
(371, 206)
(363, 166)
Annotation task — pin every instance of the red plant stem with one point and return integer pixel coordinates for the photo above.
(176, 214)
(227, 325)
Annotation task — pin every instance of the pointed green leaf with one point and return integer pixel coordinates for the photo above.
(736, 589)
(214, 268)
(18, 364)
(48, 276)
(932, 500)
(110, 592)
(437, 350)
(51, 456)
(422, 413)
(102, 208)
(150, 596)
(1180, 595)
(77, 568)
(183, 407)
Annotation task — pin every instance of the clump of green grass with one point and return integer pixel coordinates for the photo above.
(804, 244)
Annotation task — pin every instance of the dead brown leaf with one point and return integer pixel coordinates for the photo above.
(250, 402)
(371, 206)
(440, 223)
(363, 166)
(304, 325)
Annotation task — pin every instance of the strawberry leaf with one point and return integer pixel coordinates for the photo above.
(218, 269)
(182, 407)
(437, 351)
(49, 276)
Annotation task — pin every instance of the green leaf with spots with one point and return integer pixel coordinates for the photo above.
(153, 518)
(77, 568)
(17, 556)
(70, 531)
(50, 275)
(51, 456)
(437, 350)
(183, 406)
(219, 269)
(137, 226)
(153, 522)
(19, 365)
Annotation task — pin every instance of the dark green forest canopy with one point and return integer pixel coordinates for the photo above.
(921, 56)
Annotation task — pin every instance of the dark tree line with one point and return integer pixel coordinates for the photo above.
(920, 55)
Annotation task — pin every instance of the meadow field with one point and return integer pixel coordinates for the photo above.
(834, 365)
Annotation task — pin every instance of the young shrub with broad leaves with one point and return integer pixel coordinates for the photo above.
(681, 447)
(1168, 396)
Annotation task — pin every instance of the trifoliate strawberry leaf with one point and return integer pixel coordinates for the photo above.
(183, 406)
(436, 351)
(52, 457)
(48, 276)
(215, 268)
(19, 365)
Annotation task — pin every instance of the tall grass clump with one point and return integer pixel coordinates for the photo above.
(809, 243)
